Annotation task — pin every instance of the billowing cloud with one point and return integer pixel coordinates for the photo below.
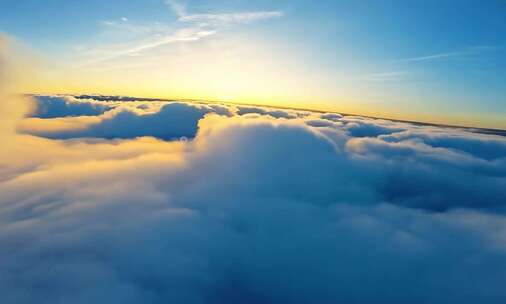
(478, 145)
(366, 127)
(259, 205)
(277, 113)
(56, 106)
(170, 121)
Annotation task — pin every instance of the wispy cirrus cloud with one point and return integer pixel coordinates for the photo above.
(468, 53)
(236, 17)
(386, 76)
(432, 57)
(183, 35)
(465, 52)
(140, 38)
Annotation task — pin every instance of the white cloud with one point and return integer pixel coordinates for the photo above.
(233, 17)
(156, 40)
(254, 207)
(386, 76)
(431, 57)
(136, 39)
(264, 205)
(236, 17)
(465, 52)
(443, 158)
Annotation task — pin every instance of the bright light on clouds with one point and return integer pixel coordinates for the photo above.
(108, 199)
(332, 56)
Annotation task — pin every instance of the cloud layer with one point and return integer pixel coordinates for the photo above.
(256, 205)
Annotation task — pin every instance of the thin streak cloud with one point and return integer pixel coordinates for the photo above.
(431, 57)
(188, 28)
(234, 17)
(183, 35)
(386, 76)
(469, 51)
(180, 11)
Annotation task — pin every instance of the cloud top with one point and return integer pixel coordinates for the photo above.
(254, 204)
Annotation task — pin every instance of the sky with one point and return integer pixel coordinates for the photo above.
(114, 200)
(436, 61)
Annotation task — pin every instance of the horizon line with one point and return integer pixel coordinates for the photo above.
(502, 132)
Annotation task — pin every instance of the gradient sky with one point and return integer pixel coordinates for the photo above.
(439, 61)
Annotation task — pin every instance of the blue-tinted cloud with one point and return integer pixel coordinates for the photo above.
(169, 121)
(478, 145)
(56, 106)
(254, 209)
(277, 113)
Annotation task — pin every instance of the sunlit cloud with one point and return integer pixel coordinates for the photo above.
(124, 200)
(244, 202)
(331, 56)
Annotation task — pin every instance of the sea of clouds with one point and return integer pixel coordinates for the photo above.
(179, 202)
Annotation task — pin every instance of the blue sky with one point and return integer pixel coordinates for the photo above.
(442, 61)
